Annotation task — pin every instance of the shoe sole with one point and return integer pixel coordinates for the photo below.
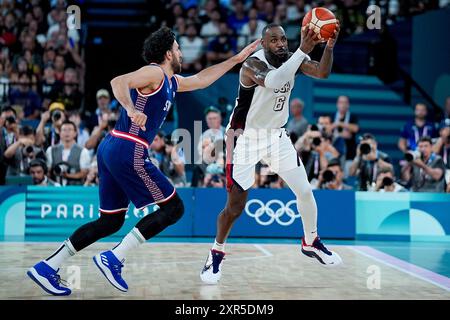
(310, 254)
(210, 282)
(35, 279)
(107, 278)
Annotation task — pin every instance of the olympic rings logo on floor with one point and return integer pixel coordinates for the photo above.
(274, 209)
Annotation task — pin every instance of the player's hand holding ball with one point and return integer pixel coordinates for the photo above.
(324, 25)
(138, 118)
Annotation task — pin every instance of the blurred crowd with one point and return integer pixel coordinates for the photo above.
(48, 136)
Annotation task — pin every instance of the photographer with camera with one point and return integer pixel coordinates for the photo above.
(386, 182)
(38, 171)
(415, 129)
(48, 136)
(19, 155)
(315, 149)
(425, 169)
(9, 132)
(173, 163)
(107, 123)
(69, 162)
(332, 177)
(265, 178)
(368, 162)
(442, 146)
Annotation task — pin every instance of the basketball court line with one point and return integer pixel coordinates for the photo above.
(403, 266)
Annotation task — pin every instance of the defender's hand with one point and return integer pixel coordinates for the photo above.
(248, 50)
(138, 118)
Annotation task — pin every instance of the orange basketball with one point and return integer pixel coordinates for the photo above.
(322, 21)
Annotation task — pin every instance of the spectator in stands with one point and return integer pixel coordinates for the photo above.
(332, 177)
(83, 133)
(107, 123)
(325, 125)
(222, 47)
(265, 178)
(425, 173)
(346, 126)
(19, 155)
(9, 30)
(68, 161)
(280, 14)
(60, 65)
(193, 50)
(158, 148)
(446, 112)
(9, 125)
(211, 29)
(49, 58)
(386, 181)
(442, 148)
(316, 150)
(49, 86)
(296, 10)
(38, 171)
(92, 176)
(215, 129)
(238, 18)
(70, 96)
(50, 136)
(416, 129)
(368, 161)
(214, 164)
(173, 163)
(250, 31)
(298, 124)
(26, 98)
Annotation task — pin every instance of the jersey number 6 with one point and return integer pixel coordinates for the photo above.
(279, 103)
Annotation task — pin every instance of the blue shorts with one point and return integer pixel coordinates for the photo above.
(126, 174)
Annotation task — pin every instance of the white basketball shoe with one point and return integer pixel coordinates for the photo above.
(212, 271)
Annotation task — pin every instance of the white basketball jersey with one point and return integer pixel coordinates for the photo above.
(259, 107)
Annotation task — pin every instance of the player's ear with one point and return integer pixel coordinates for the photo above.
(169, 55)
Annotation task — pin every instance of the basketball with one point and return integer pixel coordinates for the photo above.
(322, 21)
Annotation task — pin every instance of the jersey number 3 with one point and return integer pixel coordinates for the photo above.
(279, 103)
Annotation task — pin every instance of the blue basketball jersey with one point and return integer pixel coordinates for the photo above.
(154, 105)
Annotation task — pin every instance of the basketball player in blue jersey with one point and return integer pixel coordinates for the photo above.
(125, 172)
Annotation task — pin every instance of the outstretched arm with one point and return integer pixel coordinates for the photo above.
(148, 77)
(206, 77)
(321, 69)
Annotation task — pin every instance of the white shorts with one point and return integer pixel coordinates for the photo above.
(272, 146)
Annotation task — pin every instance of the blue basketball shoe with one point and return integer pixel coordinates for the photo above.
(48, 279)
(111, 268)
(318, 251)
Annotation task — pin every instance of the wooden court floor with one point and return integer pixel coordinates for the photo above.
(250, 271)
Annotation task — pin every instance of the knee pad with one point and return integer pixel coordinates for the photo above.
(172, 210)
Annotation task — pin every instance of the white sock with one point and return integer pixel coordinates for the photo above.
(65, 251)
(218, 246)
(131, 241)
(297, 180)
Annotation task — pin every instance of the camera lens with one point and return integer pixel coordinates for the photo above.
(10, 119)
(57, 170)
(328, 176)
(314, 127)
(365, 148)
(339, 129)
(56, 115)
(29, 149)
(409, 156)
(388, 181)
(316, 141)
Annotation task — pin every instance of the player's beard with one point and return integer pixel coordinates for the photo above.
(276, 59)
(176, 65)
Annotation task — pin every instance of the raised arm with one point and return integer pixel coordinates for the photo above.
(255, 71)
(322, 69)
(206, 77)
(146, 78)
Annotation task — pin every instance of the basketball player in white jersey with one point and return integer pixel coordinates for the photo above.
(256, 133)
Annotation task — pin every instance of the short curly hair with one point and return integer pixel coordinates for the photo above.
(157, 44)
